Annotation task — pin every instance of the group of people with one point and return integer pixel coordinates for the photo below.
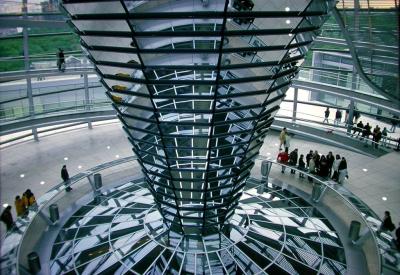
(377, 134)
(21, 206)
(329, 166)
(27, 200)
(338, 116)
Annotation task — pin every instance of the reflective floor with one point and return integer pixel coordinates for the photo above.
(272, 231)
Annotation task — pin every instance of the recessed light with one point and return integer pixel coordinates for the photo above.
(287, 21)
(22, 176)
(268, 154)
(117, 156)
(290, 34)
(108, 147)
(42, 182)
(79, 166)
(384, 198)
(66, 158)
(276, 144)
(365, 170)
(287, 9)
(5, 205)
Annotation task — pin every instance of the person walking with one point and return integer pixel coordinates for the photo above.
(387, 224)
(19, 206)
(283, 157)
(394, 122)
(338, 117)
(61, 60)
(28, 198)
(342, 170)
(327, 112)
(282, 138)
(288, 139)
(65, 178)
(7, 218)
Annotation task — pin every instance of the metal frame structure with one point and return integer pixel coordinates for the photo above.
(196, 122)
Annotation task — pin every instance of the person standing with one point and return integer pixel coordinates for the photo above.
(338, 117)
(19, 206)
(309, 157)
(65, 178)
(330, 158)
(358, 128)
(335, 168)
(7, 217)
(384, 136)
(377, 137)
(311, 168)
(327, 112)
(293, 160)
(302, 166)
(323, 167)
(282, 138)
(342, 170)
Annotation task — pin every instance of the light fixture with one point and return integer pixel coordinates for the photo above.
(365, 169)
(287, 9)
(384, 198)
(42, 182)
(287, 21)
(5, 205)
(117, 156)
(268, 154)
(108, 147)
(79, 166)
(22, 176)
(290, 34)
(65, 158)
(276, 144)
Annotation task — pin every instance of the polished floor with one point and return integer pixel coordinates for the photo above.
(37, 165)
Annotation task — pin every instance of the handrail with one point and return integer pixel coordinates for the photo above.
(328, 184)
(43, 202)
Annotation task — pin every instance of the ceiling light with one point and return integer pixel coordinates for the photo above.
(290, 34)
(384, 198)
(276, 144)
(117, 156)
(108, 147)
(268, 154)
(287, 21)
(22, 175)
(79, 166)
(66, 158)
(365, 169)
(42, 182)
(287, 9)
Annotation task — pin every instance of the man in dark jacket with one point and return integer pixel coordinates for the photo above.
(7, 218)
(308, 157)
(65, 178)
(293, 157)
(330, 158)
